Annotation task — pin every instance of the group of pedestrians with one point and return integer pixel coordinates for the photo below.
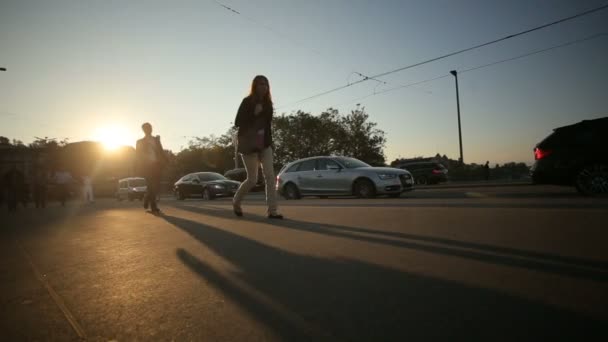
(14, 189)
(254, 143)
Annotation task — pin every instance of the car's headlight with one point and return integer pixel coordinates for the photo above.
(407, 176)
(218, 186)
(387, 175)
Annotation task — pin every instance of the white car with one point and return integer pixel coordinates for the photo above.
(331, 176)
(131, 188)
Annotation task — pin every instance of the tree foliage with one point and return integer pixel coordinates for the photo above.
(302, 134)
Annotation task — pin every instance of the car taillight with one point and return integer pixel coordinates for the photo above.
(540, 153)
(436, 171)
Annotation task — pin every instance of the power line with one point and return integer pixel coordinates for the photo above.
(594, 36)
(452, 53)
(598, 35)
(282, 35)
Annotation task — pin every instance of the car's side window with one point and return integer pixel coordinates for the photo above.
(307, 165)
(327, 164)
(322, 164)
(293, 168)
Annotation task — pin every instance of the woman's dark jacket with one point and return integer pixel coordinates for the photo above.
(246, 120)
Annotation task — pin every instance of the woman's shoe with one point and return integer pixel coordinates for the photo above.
(275, 216)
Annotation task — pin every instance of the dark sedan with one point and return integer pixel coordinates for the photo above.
(209, 185)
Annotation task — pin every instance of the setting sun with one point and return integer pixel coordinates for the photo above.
(113, 137)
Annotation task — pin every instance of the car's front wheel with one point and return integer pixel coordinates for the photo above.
(364, 188)
(180, 195)
(592, 180)
(291, 192)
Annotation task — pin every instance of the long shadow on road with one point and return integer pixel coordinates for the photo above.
(341, 299)
(566, 266)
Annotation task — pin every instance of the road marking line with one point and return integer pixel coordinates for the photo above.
(58, 301)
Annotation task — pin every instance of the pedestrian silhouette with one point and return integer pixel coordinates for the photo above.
(149, 162)
(486, 170)
(87, 189)
(63, 179)
(13, 183)
(254, 143)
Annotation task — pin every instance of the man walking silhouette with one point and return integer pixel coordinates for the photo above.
(150, 159)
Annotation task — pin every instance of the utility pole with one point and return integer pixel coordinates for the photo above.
(455, 74)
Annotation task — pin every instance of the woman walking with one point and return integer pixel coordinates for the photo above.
(254, 142)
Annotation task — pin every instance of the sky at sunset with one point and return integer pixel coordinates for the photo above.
(95, 70)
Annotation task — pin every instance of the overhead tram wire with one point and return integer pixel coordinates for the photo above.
(597, 35)
(452, 54)
(572, 42)
(228, 8)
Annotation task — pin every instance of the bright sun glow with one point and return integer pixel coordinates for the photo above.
(113, 137)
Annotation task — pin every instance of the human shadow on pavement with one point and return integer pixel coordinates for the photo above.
(561, 265)
(342, 299)
(465, 203)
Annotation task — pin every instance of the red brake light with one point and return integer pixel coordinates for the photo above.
(436, 171)
(540, 153)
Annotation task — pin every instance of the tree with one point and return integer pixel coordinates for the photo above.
(48, 143)
(362, 139)
(295, 136)
(18, 143)
(302, 134)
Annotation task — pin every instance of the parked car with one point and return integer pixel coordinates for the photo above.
(131, 188)
(325, 176)
(240, 175)
(209, 185)
(574, 155)
(427, 172)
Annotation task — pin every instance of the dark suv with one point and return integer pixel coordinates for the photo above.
(574, 155)
(426, 172)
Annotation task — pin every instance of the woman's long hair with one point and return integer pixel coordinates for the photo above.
(268, 97)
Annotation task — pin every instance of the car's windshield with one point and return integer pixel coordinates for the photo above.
(351, 163)
(211, 176)
(137, 182)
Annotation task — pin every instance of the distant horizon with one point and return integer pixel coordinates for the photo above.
(387, 161)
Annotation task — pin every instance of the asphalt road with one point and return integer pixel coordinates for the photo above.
(483, 263)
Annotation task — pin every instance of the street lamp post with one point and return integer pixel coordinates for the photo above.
(455, 74)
